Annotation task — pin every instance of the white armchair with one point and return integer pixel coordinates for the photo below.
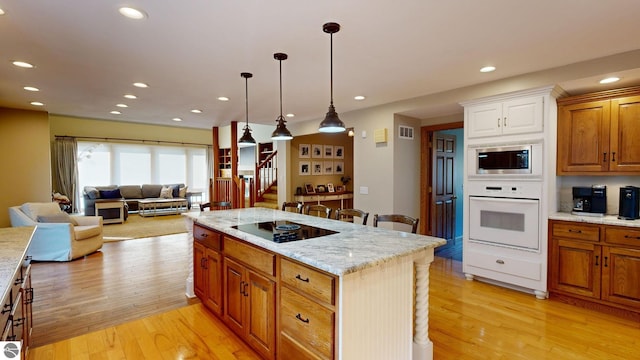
(58, 236)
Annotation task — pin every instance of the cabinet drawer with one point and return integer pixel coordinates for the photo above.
(207, 237)
(505, 264)
(308, 323)
(576, 231)
(249, 255)
(291, 349)
(622, 236)
(310, 281)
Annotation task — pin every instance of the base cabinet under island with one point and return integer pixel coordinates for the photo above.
(287, 309)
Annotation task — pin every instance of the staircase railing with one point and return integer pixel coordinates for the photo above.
(266, 175)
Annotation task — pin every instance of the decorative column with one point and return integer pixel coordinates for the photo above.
(188, 222)
(422, 345)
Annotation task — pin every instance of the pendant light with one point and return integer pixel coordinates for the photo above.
(331, 122)
(281, 132)
(246, 140)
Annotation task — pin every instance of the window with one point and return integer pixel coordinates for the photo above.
(101, 164)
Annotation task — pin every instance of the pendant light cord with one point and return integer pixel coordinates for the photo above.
(331, 62)
(280, 61)
(246, 99)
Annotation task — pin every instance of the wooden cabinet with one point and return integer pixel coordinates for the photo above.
(207, 263)
(598, 263)
(599, 134)
(16, 314)
(307, 313)
(515, 116)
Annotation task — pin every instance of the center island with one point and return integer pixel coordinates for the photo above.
(337, 291)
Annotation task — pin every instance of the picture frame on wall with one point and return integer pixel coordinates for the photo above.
(304, 151)
(328, 152)
(327, 168)
(309, 189)
(338, 152)
(304, 168)
(316, 167)
(316, 151)
(338, 167)
(330, 188)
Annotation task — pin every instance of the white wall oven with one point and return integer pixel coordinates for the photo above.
(506, 215)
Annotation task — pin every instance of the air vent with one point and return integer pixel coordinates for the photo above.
(406, 132)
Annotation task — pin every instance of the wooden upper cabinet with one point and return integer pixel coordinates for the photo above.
(599, 133)
(625, 131)
(583, 137)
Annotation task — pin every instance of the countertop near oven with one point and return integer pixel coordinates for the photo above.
(13, 247)
(353, 248)
(605, 220)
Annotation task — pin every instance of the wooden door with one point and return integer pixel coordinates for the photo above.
(199, 275)
(213, 265)
(625, 134)
(583, 137)
(443, 192)
(575, 267)
(621, 276)
(235, 289)
(261, 314)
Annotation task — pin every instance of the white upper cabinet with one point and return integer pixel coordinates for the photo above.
(516, 116)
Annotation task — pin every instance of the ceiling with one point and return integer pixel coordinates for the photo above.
(87, 55)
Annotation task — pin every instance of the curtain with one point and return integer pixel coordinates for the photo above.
(66, 168)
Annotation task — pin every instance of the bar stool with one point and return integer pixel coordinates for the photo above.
(296, 205)
(216, 205)
(403, 219)
(318, 210)
(349, 214)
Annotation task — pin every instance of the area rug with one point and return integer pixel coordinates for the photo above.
(137, 227)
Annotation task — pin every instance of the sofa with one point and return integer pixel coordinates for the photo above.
(131, 194)
(57, 236)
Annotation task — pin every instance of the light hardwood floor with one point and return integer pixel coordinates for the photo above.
(134, 279)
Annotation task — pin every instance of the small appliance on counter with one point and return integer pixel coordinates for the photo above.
(629, 203)
(590, 201)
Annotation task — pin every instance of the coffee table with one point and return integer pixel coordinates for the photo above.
(154, 207)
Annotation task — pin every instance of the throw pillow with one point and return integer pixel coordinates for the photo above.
(61, 217)
(182, 192)
(166, 192)
(110, 194)
(91, 192)
(32, 210)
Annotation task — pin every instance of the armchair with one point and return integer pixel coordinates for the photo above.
(57, 236)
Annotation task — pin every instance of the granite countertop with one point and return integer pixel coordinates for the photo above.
(353, 248)
(13, 247)
(603, 220)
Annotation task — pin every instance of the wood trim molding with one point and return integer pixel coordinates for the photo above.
(600, 95)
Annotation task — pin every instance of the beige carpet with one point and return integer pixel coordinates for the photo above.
(137, 227)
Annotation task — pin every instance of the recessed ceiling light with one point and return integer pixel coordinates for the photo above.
(132, 13)
(176, 119)
(115, 112)
(37, 103)
(122, 105)
(130, 96)
(223, 98)
(609, 80)
(196, 111)
(23, 64)
(488, 69)
(290, 115)
(359, 97)
(31, 88)
(1, 12)
(140, 85)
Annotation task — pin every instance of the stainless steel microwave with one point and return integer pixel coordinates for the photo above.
(513, 159)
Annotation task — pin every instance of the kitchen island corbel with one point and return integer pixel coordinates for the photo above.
(361, 293)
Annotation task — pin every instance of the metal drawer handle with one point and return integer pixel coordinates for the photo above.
(299, 317)
(499, 261)
(301, 279)
(575, 231)
(632, 237)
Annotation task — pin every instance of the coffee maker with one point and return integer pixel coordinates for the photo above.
(590, 200)
(629, 201)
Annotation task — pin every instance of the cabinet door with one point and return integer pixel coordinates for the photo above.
(485, 120)
(234, 294)
(214, 278)
(583, 137)
(625, 134)
(521, 116)
(575, 267)
(261, 314)
(199, 275)
(621, 276)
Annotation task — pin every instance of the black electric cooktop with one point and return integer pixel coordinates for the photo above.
(281, 231)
